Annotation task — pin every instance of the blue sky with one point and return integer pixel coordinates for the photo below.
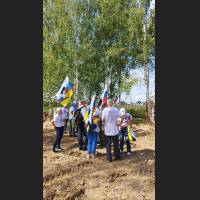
(138, 91)
(152, 4)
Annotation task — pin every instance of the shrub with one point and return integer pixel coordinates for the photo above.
(137, 111)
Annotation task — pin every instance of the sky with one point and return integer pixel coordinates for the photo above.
(152, 4)
(138, 91)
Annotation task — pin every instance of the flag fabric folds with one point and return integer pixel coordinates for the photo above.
(65, 92)
(104, 96)
(131, 134)
(91, 109)
(88, 117)
(116, 99)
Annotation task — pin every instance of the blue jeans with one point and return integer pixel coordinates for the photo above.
(59, 134)
(82, 137)
(92, 142)
(71, 128)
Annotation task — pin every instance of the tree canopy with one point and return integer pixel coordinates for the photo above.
(95, 42)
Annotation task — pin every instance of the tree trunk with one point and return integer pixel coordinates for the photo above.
(76, 84)
(119, 98)
(146, 73)
(146, 82)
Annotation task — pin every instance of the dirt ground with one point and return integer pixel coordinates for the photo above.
(69, 175)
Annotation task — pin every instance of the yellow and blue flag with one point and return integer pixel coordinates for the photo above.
(65, 92)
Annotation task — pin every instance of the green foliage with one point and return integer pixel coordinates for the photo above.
(94, 42)
(138, 111)
(127, 84)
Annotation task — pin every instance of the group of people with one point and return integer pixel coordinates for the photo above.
(109, 125)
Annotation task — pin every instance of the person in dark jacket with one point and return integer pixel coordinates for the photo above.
(79, 120)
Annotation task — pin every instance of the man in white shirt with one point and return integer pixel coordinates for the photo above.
(109, 118)
(58, 123)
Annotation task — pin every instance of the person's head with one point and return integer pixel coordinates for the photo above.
(59, 111)
(110, 102)
(122, 111)
(95, 116)
(83, 103)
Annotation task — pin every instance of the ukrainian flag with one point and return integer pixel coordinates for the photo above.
(65, 93)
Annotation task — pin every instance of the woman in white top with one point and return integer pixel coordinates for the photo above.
(58, 123)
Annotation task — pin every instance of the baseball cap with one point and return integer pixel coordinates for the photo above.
(122, 111)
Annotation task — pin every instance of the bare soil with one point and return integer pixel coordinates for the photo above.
(69, 175)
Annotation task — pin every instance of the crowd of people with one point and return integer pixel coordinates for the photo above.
(109, 126)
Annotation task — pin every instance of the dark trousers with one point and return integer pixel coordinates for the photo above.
(66, 121)
(115, 141)
(101, 136)
(59, 134)
(124, 138)
(71, 127)
(82, 137)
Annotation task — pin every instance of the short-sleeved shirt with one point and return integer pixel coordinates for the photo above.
(110, 115)
(59, 120)
(83, 111)
(66, 113)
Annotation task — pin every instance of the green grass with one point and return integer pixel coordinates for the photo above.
(137, 111)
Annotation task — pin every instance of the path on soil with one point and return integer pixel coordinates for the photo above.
(69, 175)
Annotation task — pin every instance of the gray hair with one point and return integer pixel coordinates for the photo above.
(58, 110)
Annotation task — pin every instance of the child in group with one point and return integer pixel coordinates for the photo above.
(126, 120)
(92, 135)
